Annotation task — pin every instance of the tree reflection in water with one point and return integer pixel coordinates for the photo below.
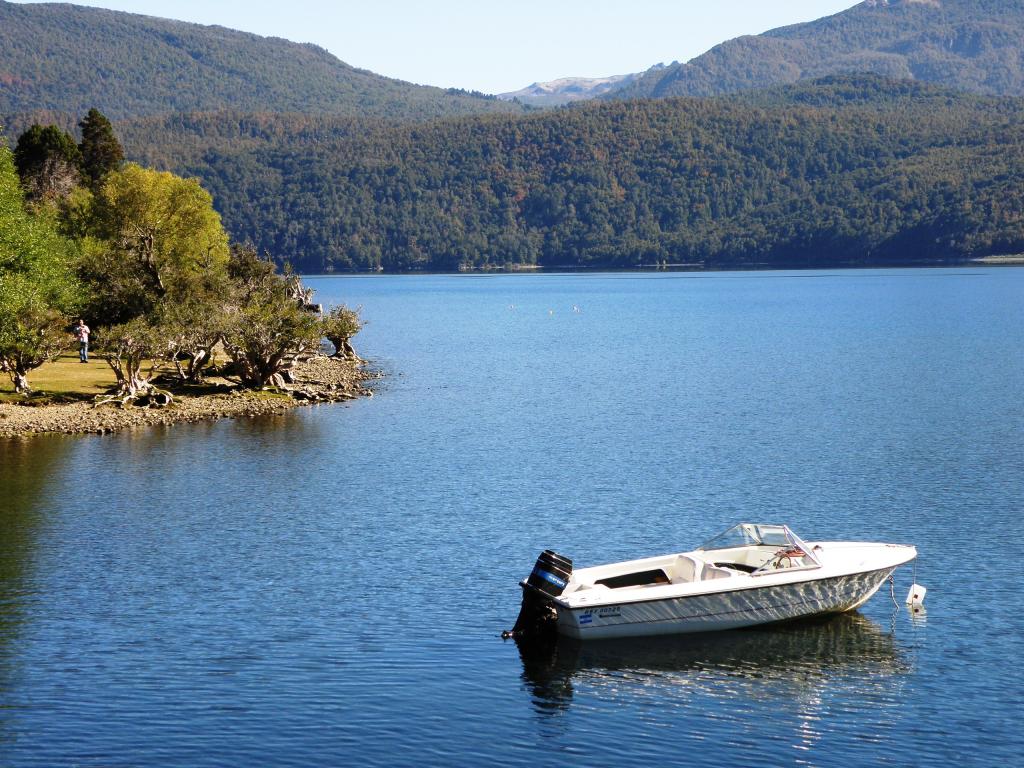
(28, 470)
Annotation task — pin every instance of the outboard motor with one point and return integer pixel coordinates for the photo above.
(537, 617)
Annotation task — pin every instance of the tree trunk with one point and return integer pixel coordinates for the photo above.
(133, 386)
(196, 364)
(198, 359)
(342, 347)
(20, 380)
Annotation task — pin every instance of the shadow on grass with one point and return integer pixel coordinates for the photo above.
(43, 396)
(40, 397)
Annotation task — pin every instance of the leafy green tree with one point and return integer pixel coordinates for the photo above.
(148, 235)
(198, 317)
(37, 285)
(128, 348)
(31, 333)
(338, 327)
(48, 162)
(100, 150)
(153, 255)
(268, 329)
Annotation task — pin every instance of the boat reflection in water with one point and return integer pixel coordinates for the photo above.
(795, 661)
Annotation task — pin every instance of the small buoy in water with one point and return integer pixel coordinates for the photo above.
(915, 597)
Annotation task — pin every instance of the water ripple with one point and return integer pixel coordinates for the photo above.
(328, 587)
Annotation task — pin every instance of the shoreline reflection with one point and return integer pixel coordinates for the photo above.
(28, 473)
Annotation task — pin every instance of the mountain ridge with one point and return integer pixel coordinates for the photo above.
(973, 46)
(57, 57)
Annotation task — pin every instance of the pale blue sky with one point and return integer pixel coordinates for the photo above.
(496, 46)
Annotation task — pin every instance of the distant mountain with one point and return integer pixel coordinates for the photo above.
(843, 171)
(57, 58)
(970, 45)
(566, 90)
(334, 168)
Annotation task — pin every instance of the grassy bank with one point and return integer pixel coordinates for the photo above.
(65, 379)
(66, 391)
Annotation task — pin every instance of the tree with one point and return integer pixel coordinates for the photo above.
(31, 333)
(48, 163)
(127, 347)
(100, 150)
(154, 259)
(198, 318)
(148, 235)
(268, 329)
(338, 327)
(37, 285)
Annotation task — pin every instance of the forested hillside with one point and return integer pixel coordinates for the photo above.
(58, 60)
(335, 168)
(971, 45)
(852, 170)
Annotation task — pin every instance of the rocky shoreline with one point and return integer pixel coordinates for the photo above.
(316, 380)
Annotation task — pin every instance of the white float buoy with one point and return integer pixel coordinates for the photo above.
(915, 597)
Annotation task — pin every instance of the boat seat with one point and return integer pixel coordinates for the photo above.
(685, 569)
(711, 573)
(585, 585)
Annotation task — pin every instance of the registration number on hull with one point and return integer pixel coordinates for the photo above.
(608, 612)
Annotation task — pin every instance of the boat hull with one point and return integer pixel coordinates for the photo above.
(744, 606)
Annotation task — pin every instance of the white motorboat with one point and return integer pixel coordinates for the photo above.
(750, 574)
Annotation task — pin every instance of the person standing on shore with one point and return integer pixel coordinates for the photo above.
(82, 334)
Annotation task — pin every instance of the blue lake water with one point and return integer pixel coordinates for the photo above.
(328, 587)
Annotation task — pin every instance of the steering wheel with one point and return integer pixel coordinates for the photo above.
(784, 557)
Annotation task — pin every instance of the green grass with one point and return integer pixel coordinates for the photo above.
(64, 379)
(67, 380)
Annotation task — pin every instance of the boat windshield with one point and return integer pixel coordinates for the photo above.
(754, 535)
(750, 534)
(761, 534)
